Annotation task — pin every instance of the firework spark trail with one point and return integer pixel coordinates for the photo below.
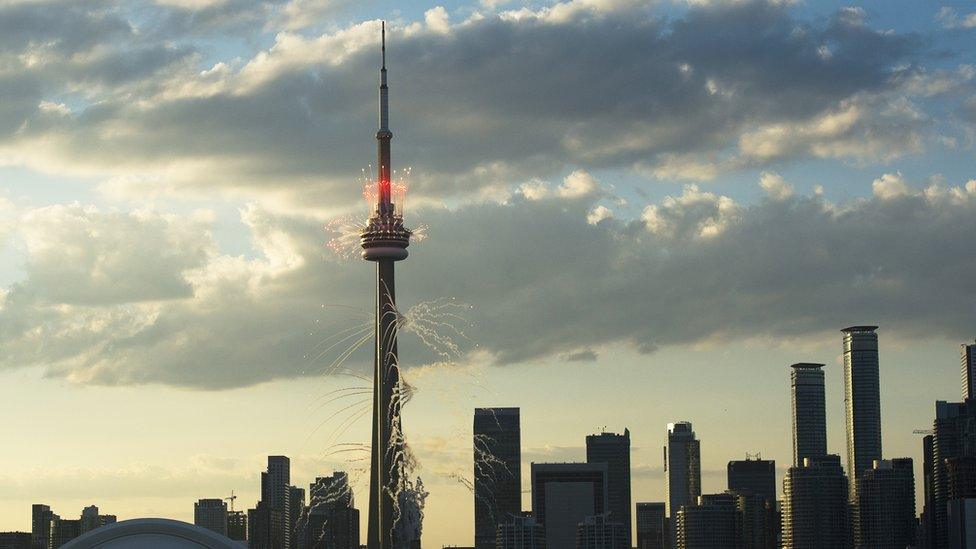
(363, 402)
(345, 231)
(437, 324)
(336, 392)
(345, 395)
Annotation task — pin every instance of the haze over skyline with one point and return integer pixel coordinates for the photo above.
(654, 208)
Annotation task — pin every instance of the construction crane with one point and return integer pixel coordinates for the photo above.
(231, 500)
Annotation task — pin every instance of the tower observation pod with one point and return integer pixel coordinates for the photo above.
(385, 237)
(384, 241)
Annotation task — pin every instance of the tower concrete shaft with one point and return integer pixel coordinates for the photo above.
(384, 242)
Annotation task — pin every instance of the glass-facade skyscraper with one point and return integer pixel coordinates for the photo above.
(614, 450)
(652, 528)
(682, 469)
(753, 476)
(967, 363)
(563, 494)
(809, 411)
(815, 505)
(497, 471)
(862, 399)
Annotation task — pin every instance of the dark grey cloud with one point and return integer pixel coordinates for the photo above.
(504, 98)
(543, 283)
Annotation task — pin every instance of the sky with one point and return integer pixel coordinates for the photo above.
(636, 213)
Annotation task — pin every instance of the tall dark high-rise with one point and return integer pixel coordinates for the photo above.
(332, 520)
(614, 450)
(809, 411)
(601, 532)
(885, 508)
(682, 467)
(296, 507)
(275, 484)
(497, 445)
(862, 399)
(967, 366)
(926, 531)
(520, 532)
(711, 524)
(41, 517)
(815, 505)
(753, 481)
(384, 241)
(270, 522)
(563, 494)
(753, 476)
(237, 525)
(759, 521)
(211, 514)
(652, 525)
(954, 437)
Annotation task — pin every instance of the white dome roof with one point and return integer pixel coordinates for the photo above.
(152, 533)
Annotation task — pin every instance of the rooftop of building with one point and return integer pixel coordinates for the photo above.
(807, 365)
(855, 329)
(496, 411)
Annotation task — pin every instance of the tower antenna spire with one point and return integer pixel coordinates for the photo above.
(383, 41)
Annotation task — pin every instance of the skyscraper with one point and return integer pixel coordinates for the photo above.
(211, 514)
(264, 527)
(520, 532)
(384, 241)
(41, 517)
(954, 436)
(237, 525)
(497, 445)
(274, 491)
(753, 481)
(809, 411)
(758, 521)
(269, 523)
(563, 494)
(862, 399)
(332, 520)
(711, 524)
(815, 505)
(682, 467)
(614, 450)
(601, 532)
(296, 507)
(885, 509)
(753, 476)
(652, 528)
(967, 363)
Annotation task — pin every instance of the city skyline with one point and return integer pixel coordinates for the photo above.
(280, 465)
(632, 214)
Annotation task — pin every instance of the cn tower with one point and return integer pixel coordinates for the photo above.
(385, 242)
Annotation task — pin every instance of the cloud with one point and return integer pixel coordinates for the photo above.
(694, 267)
(775, 186)
(890, 186)
(950, 19)
(718, 89)
(599, 213)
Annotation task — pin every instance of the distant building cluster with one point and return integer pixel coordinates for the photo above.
(280, 520)
(868, 502)
(50, 531)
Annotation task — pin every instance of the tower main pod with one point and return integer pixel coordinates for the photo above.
(384, 242)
